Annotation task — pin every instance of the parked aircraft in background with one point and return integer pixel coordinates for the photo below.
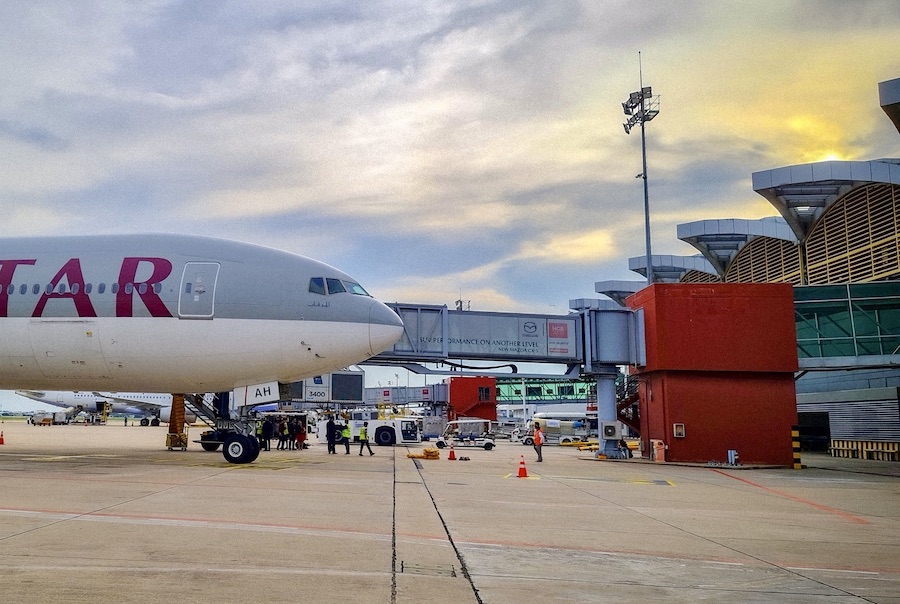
(178, 314)
(151, 407)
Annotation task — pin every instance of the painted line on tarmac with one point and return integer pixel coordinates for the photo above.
(822, 508)
(643, 481)
(59, 516)
(833, 570)
(135, 569)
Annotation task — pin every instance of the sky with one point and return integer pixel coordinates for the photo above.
(435, 150)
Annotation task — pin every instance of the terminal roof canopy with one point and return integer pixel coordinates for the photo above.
(802, 193)
(617, 290)
(720, 240)
(668, 268)
(889, 95)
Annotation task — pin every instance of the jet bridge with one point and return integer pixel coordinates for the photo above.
(592, 340)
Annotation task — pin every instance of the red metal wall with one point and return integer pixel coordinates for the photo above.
(463, 395)
(719, 326)
(720, 360)
(751, 413)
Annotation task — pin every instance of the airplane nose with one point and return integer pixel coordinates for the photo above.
(385, 327)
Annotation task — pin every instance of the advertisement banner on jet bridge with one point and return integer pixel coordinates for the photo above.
(499, 336)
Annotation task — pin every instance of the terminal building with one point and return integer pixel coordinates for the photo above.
(837, 241)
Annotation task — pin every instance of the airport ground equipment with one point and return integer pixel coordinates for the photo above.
(561, 428)
(469, 432)
(382, 432)
(387, 426)
(233, 427)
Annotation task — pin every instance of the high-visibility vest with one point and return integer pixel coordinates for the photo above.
(363, 433)
(538, 437)
(345, 432)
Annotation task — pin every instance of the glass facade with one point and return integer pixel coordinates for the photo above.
(564, 391)
(848, 320)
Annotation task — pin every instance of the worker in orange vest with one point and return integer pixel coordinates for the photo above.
(538, 440)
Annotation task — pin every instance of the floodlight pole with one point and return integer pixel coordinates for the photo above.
(642, 102)
(646, 188)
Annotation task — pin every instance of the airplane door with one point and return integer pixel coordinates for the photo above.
(67, 348)
(198, 290)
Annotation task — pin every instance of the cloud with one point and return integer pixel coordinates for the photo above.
(428, 148)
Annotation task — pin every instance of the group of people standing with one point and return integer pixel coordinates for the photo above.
(290, 432)
(340, 433)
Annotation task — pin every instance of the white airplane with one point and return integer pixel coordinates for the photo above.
(178, 314)
(153, 407)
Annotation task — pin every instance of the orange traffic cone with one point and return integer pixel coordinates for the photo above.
(2, 442)
(523, 473)
(452, 456)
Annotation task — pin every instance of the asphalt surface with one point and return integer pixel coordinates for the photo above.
(108, 514)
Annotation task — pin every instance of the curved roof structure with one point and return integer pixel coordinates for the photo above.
(802, 193)
(669, 269)
(720, 240)
(618, 290)
(889, 95)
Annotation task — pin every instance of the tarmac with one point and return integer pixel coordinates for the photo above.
(108, 514)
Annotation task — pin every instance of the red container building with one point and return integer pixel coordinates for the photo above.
(719, 373)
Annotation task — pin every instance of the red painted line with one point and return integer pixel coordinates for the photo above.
(818, 506)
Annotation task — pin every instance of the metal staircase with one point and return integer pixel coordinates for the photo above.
(627, 399)
(200, 406)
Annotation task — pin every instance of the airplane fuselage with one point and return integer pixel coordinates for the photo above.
(173, 313)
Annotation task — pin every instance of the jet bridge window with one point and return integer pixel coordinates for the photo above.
(317, 285)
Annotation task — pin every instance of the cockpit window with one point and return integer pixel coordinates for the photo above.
(355, 288)
(330, 285)
(335, 286)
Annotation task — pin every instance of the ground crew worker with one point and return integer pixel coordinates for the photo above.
(282, 431)
(538, 441)
(345, 436)
(301, 434)
(268, 430)
(364, 439)
(331, 435)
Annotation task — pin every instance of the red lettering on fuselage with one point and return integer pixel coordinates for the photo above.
(7, 270)
(162, 268)
(71, 270)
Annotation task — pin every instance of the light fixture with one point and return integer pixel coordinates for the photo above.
(641, 107)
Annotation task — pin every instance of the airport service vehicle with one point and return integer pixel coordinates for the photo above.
(556, 431)
(386, 432)
(383, 431)
(48, 418)
(468, 432)
(178, 314)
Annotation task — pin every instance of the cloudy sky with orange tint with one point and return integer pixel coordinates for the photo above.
(436, 150)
